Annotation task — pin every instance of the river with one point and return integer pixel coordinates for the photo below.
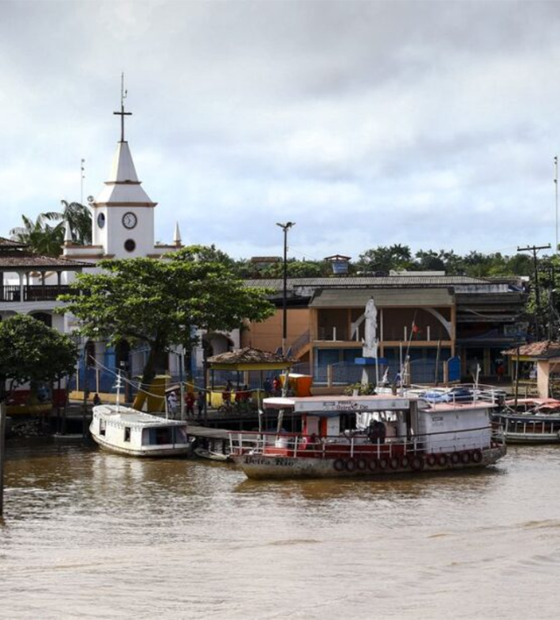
(91, 535)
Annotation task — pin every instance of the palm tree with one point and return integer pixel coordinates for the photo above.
(41, 237)
(79, 218)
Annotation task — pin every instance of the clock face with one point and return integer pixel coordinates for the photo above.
(101, 220)
(129, 220)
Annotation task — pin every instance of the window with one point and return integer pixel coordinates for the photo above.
(127, 433)
(130, 245)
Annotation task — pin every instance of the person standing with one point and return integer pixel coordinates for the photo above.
(172, 403)
(189, 401)
(200, 402)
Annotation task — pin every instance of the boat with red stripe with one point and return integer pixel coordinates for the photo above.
(365, 436)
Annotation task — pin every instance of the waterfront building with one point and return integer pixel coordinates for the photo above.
(429, 317)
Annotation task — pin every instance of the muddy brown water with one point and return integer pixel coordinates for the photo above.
(90, 535)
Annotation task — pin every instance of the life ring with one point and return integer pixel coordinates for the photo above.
(442, 460)
(351, 464)
(455, 458)
(383, 463)
(372, 465)
(405, 462)
(431, 460)
(361, 464)
(338, 464)
(477, 456)
(417, 463)
(394, 462)
(465, 458)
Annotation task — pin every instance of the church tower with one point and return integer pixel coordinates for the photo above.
(123, 214)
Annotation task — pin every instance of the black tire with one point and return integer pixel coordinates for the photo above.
(372, 465)
(442, 460)
(351, 464)
(465, 458)
(417, 463)
(455, 458)
(477, 456)
(394, 462)
(338, 465)
(361, 464)
(431, 460)
(405, 462)
(383, 463)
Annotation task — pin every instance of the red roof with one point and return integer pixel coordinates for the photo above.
(544, 349)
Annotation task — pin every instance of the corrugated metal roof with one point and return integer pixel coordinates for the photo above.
(384, 298)
(364, 282)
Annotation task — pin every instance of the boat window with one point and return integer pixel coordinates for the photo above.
(102, 427)
(127, 433)
(180, 435)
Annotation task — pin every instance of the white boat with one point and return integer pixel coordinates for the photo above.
(386, 434)
(529, 420)
(134, 433)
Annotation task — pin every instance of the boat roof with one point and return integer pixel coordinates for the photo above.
(130, 416)
(325, 405)
(551, 402)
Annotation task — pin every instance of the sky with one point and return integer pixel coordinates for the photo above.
(428, 124)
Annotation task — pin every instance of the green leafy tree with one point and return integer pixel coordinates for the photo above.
(39, 235)
(79, 218)
(160, 303)
(385, 258)
(30, 351)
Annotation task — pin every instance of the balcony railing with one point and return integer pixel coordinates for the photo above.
(48, 292)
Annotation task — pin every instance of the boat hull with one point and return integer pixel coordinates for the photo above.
(263, 467)
(146, 452)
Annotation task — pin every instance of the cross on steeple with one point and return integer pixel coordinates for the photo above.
(122, 113)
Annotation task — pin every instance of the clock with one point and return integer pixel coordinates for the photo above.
(101, 220)
(129, 220)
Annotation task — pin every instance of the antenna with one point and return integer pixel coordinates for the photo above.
(82, 177)
(556, 196)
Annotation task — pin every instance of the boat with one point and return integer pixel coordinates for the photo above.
(124, 430)
(529, 421)
(384, 435)
(211, 455)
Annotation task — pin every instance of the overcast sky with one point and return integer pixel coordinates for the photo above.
(430, 124)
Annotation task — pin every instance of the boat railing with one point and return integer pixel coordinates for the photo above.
(460, 393)
(537, 426)
(358, 443)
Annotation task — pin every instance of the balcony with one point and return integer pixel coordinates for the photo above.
(39, 292)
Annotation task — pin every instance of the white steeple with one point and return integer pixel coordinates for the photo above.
(67, 233)
(123, 212)
(177, 235)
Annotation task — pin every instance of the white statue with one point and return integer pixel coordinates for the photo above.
(370, 341)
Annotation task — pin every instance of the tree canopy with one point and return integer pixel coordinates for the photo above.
(161, 303)
(30, 351)
(45, 235)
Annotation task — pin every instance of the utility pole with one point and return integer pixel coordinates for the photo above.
(285, 227)
(534, 249)
(2, 453)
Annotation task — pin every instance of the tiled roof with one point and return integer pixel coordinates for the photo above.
(10, 243)
(247, 355)
(543, 349)
(14, 258)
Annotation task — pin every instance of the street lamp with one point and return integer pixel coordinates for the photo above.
(285, 227)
